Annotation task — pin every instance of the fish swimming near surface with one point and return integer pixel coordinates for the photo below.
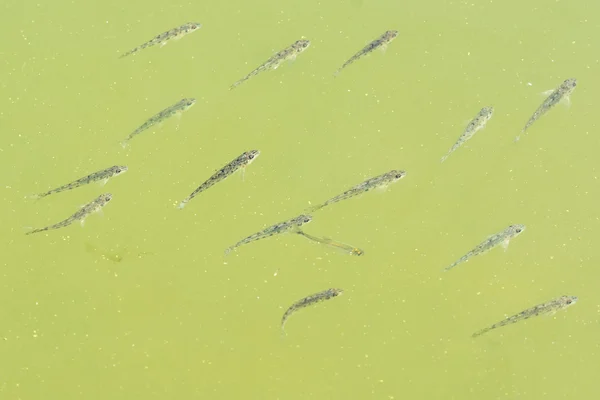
(103, 176)
(240, 162)
(176, 109)
(502, 238)
(381, 43)
(282, 227)
(90, 208)
(308, 301)
(563, 92)
(548, 308)
(163, 38)
(289, 53)
(380, 182)
(345, 248)
(476, 124)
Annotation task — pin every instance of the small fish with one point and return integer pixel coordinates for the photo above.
(176, 109)
(563, 92)
(90, 208)
(240, 162)
(380, 181)
(274, 62)
(380, 42)
(548, 308)
(476, 124)
(282, 227)
(103, 175)
(307, 301)
(351, 250)
(163, 38)
(502, 238)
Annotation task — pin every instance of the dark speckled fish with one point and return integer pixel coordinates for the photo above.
(308, 301)
(282, 227)
(380, 181)
(563, 92)
(103, 176)
(240, 162)
(548, 308)
(176, 109)
(163, 38)
(502, 238)
(379, 43)
(90, 208)
(476, 124)
(274, 62)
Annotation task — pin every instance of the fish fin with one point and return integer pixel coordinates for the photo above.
(383, 48)
(125, 143)
(505, 244)
(82, 223)
(35, 197)
(163, 44)
(566, 100)
(100, 212)
(181, 205)
(243, 174)
(547, 92)
(103, 181)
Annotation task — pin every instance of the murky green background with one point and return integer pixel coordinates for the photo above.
(141, 304)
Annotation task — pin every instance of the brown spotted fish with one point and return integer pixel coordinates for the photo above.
(308, 301)
(163, 38)
(103, 176)
(274, 62)
(90, 208)
(476, 124)
(563, 92)
(548, 308)
(379, 43)
(240, 162)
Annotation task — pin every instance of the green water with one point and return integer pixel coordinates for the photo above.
(141, 303)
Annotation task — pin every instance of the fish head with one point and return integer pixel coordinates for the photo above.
(357, 252)
(568, 86)
(516, 229)
(187, 103)
(105, 198)
(119, 169)
(251, 155)
(335, 292)
(303, 219)
(567, 301)
(391, 35)
(301, 45)
(394, 175)
(487, 112)
(192, 26)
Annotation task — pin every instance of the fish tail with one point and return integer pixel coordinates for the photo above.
(32, 230)
(480, 332)
(36, 196)
(125, 143)
(228, 251)
(182, 204)
(444, 158)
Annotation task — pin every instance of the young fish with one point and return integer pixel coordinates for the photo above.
(103, 175)
(563, 92)
(176, 109)
(240, 162)
(502, 238)
(163, 38)
(90, 208)
(380, 181)
(351, 250)
(380, 42)
(274, 62)
(476, 124)
(282, 227)
(307, 301)
(548, 308)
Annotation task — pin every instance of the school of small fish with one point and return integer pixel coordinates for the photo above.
(297, 224)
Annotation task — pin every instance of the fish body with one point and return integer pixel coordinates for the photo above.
(176, 109)
(163, 38)
(380, 181)
(90, 208)
(380, 42)
(548, 308)
(289, 53)
(502, 238)
(238, 163)
(282, 227)
(308, 301)
(103, 175)
(476, 124)
(351, 250)
(562, 92)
